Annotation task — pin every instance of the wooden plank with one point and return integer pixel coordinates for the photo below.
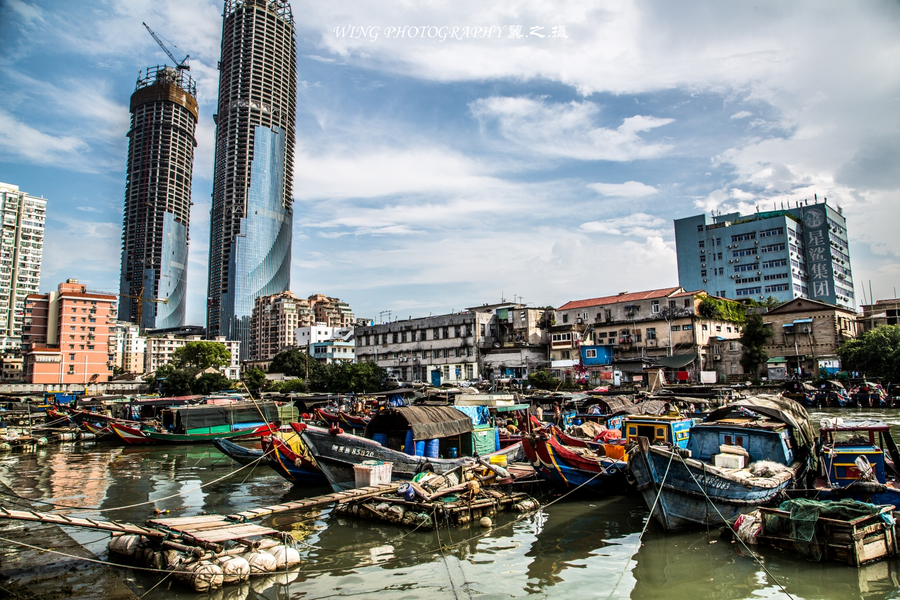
(232, 533)
(174, 521)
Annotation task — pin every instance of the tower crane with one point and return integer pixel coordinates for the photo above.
(139, 309)
(178, 65)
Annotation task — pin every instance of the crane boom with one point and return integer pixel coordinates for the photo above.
(178, 65)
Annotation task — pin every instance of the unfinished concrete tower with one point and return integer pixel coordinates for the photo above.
(251, 217)
(158, 199)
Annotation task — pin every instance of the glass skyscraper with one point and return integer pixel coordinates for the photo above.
(251, 217)
(158, 199)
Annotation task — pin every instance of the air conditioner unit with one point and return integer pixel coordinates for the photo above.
(717, 357)
(702, 264)
(759, 272)
(704, 281)
(756, 242)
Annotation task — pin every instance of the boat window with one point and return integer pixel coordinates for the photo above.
(661, 434)
(734, 441)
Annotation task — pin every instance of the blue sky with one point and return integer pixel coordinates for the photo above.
(434, 175)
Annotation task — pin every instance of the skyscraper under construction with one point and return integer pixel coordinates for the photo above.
(158, 199)
(251, 217)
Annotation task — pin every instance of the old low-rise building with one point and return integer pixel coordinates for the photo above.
(883, 312)
(518, 342)
(160, 348)
(806, 337)
(669, 327)
(11, 369)
(334, 351)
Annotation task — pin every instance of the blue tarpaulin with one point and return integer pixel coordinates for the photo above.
(479, 414)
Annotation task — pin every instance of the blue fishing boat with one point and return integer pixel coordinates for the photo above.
(832, 393)
(598, 467)
(858, 461)
(742, 456)
(800, 391)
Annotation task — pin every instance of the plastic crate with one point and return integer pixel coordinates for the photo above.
(369, 474)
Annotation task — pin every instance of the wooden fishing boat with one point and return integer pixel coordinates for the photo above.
(103, 434)
(427, 433)
(800, 391)
(287, 456)
(598, 467)
(741, 457)
(869, 395)
(239, 454)
(859, 461)
(353, 421)
(832, 393)
(135, 436)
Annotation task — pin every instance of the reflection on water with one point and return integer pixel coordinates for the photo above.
(578, 548)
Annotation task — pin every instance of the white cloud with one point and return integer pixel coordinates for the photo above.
(21, 142)
(637, 224)
(629, 189)
(742, 114)
(567, 130)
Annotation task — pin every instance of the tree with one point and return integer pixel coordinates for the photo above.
(754, 337)
(288, 386)
(543, 380)
(174, 382)
(255, 378)
(201, 355)
(346, 377)
(875, 353)
(295, 363)
(210, 383)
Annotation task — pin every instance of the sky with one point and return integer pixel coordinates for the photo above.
(452, 154)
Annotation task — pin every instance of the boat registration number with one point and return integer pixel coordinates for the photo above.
(353, 451)
(713, 482)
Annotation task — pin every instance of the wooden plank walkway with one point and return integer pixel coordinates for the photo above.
(56, 519)
(339, 497)
(211, 528)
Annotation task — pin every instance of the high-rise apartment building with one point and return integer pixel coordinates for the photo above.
(251, 216)
(272, 325)
(21, 248)
(66, 336)
(161, 145)
(799, 252)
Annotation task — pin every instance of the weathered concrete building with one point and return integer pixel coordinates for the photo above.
(883, 312)
(669, 327)
(807, 335)
(160, 348)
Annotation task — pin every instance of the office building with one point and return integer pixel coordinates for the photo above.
(66, 336)
(153, 284)
(21, 249)
(251, 216)
(799, 252)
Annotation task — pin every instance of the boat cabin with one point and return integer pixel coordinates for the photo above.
(432, 431)
(659, 429)
(759, 439)
(217, 418)
(845, 442)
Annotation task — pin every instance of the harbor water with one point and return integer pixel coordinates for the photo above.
(577, 547)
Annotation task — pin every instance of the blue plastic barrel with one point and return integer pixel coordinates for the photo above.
(410, 446)
(433, 448)
(496, 438)
(381, 438)
(452, 453)
(420, 448)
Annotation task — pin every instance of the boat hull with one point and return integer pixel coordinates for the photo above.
(337, 453)
(236, 452)
(562, 467)
(293, 467)
(696, 494)
(134, 436)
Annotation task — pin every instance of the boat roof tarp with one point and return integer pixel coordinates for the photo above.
(780, 408)
(615, 403)
(426, 422)
(194, 417)
(677, 361)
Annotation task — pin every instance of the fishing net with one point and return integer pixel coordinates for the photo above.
(800, 525)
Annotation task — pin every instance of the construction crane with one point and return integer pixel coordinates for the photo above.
(139, 309)
(178, 65)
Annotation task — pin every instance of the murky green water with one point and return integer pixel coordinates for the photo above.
(576, 548)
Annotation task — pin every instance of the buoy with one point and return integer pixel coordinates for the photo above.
(285, 556)
(485, 522)
(261, 563)
(234, 568)
(126, 545)
(202, 576)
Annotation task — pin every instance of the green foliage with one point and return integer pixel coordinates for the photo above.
(722, 310)
(255, 378)
(754, 337)
(174, 382)
(201, 355)
(346, 377)
(210, 383)
(287, 387)
(543, 380)
(875, 353)
(295, 363)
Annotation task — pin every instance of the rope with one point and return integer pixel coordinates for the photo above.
(724, 520)
(646, 524)
(98, 509)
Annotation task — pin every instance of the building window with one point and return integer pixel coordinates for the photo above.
(699, 227)
(446, 332)
(436, 354)
(654, 306)
(701, 244)
(457, 331)
(565, 317)
(687, 302)
(564, 355)
(687, 327)
(71, 357)
(394, 337)
(591, 353)
(402, 336)
(457, 352)
(702, 274)
(651, 333)
(676, 327)
(446, 352)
